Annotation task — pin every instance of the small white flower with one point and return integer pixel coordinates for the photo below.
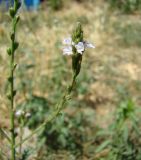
(80, 47)
(27, 115)
(67, 50)
(19, 113)
(88, 45)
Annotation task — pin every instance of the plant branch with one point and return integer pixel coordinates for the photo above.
(5, 135)
(58, 109)
(11, 52)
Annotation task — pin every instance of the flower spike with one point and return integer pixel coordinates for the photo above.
(75, 47)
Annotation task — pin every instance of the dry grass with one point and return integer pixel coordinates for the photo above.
(115, 69)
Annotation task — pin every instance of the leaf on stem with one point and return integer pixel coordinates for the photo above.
(15, 65)
(16, 45)
(14, 93)
(9, 96)
(12, 36)
(9, 79)
(9, 51)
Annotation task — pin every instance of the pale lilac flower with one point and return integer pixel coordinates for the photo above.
(67, 50)
(67, 41)
(80, 47)
(88, 45)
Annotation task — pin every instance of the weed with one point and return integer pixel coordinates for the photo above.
(124, 134)
(126, 6)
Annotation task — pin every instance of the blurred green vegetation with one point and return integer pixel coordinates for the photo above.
(124, 133)
(55, 4)
(43, 73)
(126, 6)
(130, 34)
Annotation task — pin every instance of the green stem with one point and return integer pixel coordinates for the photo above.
(14, 46)
(21, 136)
(12, 113)
(58, 110)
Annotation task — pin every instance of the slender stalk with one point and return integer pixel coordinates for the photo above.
(5, 135)
(21, 136)
(57, 111)
(76, 67)
(11, 52)
(12, 117)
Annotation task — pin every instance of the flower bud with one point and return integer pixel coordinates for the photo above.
(17, 5)
(77, 35)
(12, 12)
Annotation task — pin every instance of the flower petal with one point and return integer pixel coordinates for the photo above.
(88, 45)
(67, 41)
(80, 47)
(67, 50)
(27, 115)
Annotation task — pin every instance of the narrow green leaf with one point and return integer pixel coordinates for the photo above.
(9, 51)
(9, 79)
(125, 133)
(14, 92)
(9, 96)
(12, 36)
(15, 65)
(103, 145)
(17, 19)
(16, 45)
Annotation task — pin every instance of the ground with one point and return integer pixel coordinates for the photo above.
(110, 73)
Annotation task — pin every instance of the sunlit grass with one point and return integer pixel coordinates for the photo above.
(110, 73)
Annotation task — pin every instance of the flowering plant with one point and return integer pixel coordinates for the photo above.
(74, 46)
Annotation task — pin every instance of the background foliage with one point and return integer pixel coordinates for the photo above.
(102, 120)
